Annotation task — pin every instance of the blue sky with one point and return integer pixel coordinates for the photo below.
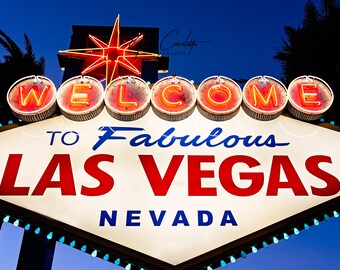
(235, 38)
(243, 35)
(316, 248)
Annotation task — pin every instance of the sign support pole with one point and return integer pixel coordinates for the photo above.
(36, 252)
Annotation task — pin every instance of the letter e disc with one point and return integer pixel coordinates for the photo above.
(309, 98)
(81, 98)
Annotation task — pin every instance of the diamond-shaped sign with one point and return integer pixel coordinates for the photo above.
(170, 191)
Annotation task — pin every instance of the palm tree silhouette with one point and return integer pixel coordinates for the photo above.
(314, 49)
(17, 64)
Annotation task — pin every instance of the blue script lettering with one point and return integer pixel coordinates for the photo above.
(168, 138)
(108, 135)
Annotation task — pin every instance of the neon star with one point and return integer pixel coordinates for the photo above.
(117, 59)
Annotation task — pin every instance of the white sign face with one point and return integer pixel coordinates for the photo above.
(171, 190)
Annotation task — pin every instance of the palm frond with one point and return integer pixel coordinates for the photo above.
(28, 46)
(10, 46)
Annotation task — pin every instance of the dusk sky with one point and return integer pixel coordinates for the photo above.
(234, 38)
(237, 39)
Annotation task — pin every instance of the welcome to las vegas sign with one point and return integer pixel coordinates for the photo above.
(169, 173)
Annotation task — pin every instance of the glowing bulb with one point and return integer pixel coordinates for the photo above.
(50, 235)
(316, 222)
(106, 257)
(128, 267)
(37, 230)
(27, 227)
(94, 253)
(223, 263)
(83, 248)
(264, 243)
(243, 254)
(275, 240)
(286, 236)
(232, 259)
(62, 239)
(254, 249)
(117, 262)
(336, 214)
(209, 268)
(6, 218)
(326, 217)
(73, 243)
(296, 231)
(16, 223)
(306, 226)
